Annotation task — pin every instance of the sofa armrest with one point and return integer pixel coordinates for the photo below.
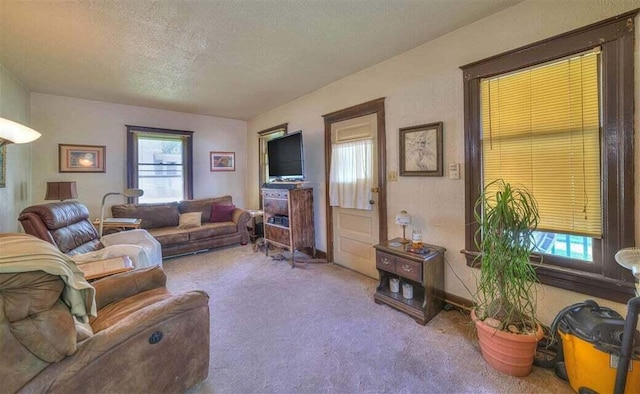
(241, 216)
(117, 287)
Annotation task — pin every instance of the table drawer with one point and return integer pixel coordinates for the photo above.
(386, 262)
(409, 269)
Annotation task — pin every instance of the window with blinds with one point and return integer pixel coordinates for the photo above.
(541, 130)
(160, 162)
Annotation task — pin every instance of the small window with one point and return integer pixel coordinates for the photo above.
(160, 163)
(265, 136)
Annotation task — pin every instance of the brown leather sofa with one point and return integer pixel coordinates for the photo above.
(162, 219)
(143, 340)
(66, 225)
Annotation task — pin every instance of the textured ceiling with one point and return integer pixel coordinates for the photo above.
(233, 59)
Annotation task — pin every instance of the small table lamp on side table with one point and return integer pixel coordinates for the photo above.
(403, 219)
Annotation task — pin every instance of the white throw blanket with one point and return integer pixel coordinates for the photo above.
(143, 250)
(25, 253)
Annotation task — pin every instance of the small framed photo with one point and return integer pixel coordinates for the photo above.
(82, 158)
(222, 161)
(421, 150)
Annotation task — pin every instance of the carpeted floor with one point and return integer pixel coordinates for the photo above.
(316, 329)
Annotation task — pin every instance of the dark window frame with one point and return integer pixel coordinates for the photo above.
(616, 37)
(262, 141)
(132, 156)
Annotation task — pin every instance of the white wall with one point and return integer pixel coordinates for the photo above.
(75, 121)
(16, 195)
(424, 85)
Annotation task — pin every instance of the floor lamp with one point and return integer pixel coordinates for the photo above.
(126, 193)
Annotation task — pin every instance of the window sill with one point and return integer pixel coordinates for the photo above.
(595, 285)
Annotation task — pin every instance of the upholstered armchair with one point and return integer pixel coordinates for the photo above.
(122, 334)
(66, 225)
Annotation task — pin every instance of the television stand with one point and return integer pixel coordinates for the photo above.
(296, 204)
(283, 185)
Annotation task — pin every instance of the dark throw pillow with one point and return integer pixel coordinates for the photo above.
(222, 213)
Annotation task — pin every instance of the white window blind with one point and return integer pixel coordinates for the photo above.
(541, 130)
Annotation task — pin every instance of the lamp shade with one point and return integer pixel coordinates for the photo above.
(403, 218)
(12, 132)
(61, 191)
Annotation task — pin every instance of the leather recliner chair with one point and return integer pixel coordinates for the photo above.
(66, 225)
(142, 339)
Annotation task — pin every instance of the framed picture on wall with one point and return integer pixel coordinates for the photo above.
(222, 161)
(82, 158)
(3, 166)
(421, 150)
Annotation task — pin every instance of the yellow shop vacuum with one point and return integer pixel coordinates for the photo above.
(592, 338)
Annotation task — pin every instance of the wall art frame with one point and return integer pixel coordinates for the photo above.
(82, 158)
(421, 150)
(222, 161)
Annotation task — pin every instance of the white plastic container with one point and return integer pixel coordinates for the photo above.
(394, 285)
(407, 291)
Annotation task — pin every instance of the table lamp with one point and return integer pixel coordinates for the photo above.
(126, 193)
(61, 191)
(403, 219)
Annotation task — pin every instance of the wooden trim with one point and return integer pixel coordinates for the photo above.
(374, 106)
(595, 285)
(616, 37)
(458, 302)
(555, 47)
(261, 135)
(283, 126)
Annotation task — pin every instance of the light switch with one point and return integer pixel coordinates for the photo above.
(392, 176)
(454, 171)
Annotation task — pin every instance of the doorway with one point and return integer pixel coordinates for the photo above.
(352, 232)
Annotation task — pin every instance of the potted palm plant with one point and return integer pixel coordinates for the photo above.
(505, 311)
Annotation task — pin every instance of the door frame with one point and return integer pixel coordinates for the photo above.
(374, 106)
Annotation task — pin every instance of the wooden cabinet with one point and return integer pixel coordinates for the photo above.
(425, 272)
(288, 219)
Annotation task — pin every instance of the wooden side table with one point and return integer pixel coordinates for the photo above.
(425, 272)
(252, 226)
(118, 223)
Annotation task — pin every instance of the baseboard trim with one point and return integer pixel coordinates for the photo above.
(458, 302)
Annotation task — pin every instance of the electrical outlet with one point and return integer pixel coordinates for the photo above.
(392, 176)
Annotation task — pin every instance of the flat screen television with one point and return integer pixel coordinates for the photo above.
(286, 158)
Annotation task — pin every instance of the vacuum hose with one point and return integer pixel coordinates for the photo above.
(633, 306)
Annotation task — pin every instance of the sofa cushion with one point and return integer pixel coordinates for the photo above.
(170, 235)
(203, 205)
(152, 215)
(222, 213)
(190, 220)
(210, 230)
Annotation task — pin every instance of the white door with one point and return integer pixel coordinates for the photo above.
(355, 231)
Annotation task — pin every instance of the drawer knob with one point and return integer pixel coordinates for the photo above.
(406, 268)
(385, 261)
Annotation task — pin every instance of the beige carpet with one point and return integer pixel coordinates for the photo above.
(315, 329)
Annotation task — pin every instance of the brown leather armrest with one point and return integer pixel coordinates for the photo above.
(117, 287)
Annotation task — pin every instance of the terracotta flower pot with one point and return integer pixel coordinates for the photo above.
(509, 353)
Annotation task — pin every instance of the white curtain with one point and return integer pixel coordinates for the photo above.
(351, 175)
